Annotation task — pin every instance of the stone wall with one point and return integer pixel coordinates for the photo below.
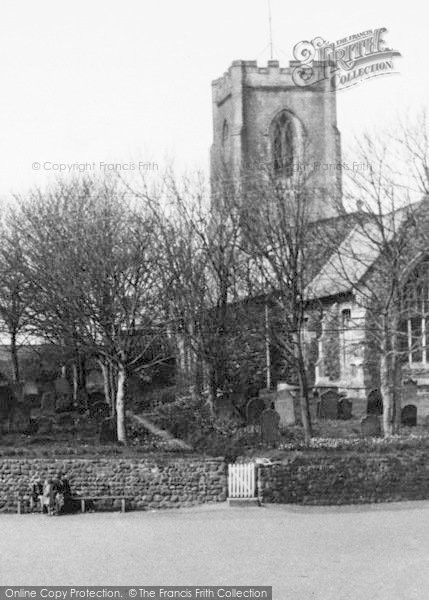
(149, 483)
(315, 478)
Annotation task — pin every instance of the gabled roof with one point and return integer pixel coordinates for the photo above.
(351, 260)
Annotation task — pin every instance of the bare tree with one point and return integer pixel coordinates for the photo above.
(374, 258)
(200, 274)
(92, 261)
(14, 289)
(277, 237)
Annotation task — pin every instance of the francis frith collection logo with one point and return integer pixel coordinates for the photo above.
(345, 62)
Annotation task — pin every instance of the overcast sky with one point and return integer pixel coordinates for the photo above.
(116, 81)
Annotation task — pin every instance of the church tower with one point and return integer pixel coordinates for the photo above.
(261, 117)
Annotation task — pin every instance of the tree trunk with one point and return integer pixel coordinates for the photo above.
(106, 381)
(14, 357)
(120, 405)
(108, 385)
(397, 378)
(113, 387)
(210, 386)
(386, 393)
(303, 390)
(305, 407)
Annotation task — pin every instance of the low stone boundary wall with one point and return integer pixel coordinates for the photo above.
(305, 478)
(346, 478)
(149, 483)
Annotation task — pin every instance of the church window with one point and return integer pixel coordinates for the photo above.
(283, 144)
(416, 313)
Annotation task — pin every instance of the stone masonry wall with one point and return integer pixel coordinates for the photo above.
(149, 483)
(347, 478)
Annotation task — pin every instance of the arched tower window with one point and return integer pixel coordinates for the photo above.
(284, 143)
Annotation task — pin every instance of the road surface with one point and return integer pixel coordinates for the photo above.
(377, 552)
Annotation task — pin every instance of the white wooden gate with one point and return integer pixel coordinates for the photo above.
(241, 480)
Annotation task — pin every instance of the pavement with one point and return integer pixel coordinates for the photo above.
(368, 552)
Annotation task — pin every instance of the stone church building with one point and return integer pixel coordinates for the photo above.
(261, 117)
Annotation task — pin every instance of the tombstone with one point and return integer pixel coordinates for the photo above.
(345, 409)
(94, 380)
(107, 431)
(65, 421)
(409, 415)
(329, 405)
(7, 406)
(63, 403)
(44, 425)
(22, 414)
(62, 387)
(284, 404)
(375, 403)
(224, 407)
(254, 409)
(30, 388)
(48, 404)
(64, 400)
(270, 420)
(30, 393)
(370, 426)
(99, 410)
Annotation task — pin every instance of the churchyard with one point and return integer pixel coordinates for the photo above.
(178, 452)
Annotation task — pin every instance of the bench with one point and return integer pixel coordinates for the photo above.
(84, 499)
(81, 499)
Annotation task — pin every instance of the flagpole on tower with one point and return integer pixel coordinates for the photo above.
(271, 30)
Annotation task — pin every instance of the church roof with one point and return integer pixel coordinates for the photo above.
(352, 258)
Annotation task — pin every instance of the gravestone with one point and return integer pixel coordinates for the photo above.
(65, 421)
(31, 394)
(62, 386)
(375, 403)
(107, 431)
(224, 407)
(99, 410)
(270, 420)
(409, 415)
(329, 405)
(48, 404)
(22, 414)
(30, 388)
(63, 394)
(94, 380)
(63, 403)
(284, 404)
(345, 409)
(7, 407)
(254, 409)
(45, 424)
(370, 426)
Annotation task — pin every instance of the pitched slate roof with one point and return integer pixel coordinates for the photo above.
(353, 257)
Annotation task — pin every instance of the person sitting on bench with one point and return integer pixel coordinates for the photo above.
(63, 494)
(48, 498)
(36, 492)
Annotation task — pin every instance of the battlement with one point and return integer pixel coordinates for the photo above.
(247, 73)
